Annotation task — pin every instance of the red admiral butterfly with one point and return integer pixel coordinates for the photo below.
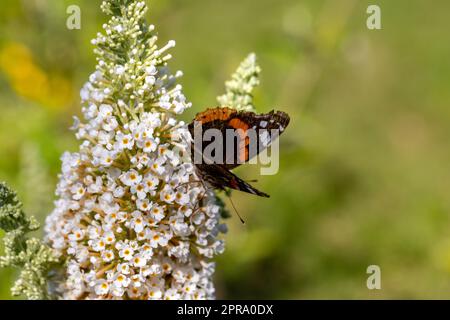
(218, 175)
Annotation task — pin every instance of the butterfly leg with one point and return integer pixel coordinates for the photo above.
(188, 183)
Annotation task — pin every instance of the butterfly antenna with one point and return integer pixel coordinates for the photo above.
(235, 210)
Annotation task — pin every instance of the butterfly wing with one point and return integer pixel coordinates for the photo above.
(257, 133)
(245, 145)
(229, 120)
(220, 178)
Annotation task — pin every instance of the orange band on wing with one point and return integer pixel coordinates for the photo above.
(215, 114)
(244, 139)
(238, 124)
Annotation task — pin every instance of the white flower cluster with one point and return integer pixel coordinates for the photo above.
(240, 87)
(131, 220)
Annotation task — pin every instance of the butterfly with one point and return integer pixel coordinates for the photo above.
(218, 174)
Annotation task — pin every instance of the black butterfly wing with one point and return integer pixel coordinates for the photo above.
(258, 132)
(210, 119)
(252, 134)
(221, 178)
(243, 134)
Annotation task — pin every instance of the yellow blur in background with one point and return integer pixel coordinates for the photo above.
(364, 173)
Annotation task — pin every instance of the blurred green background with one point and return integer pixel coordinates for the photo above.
(364, 173)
